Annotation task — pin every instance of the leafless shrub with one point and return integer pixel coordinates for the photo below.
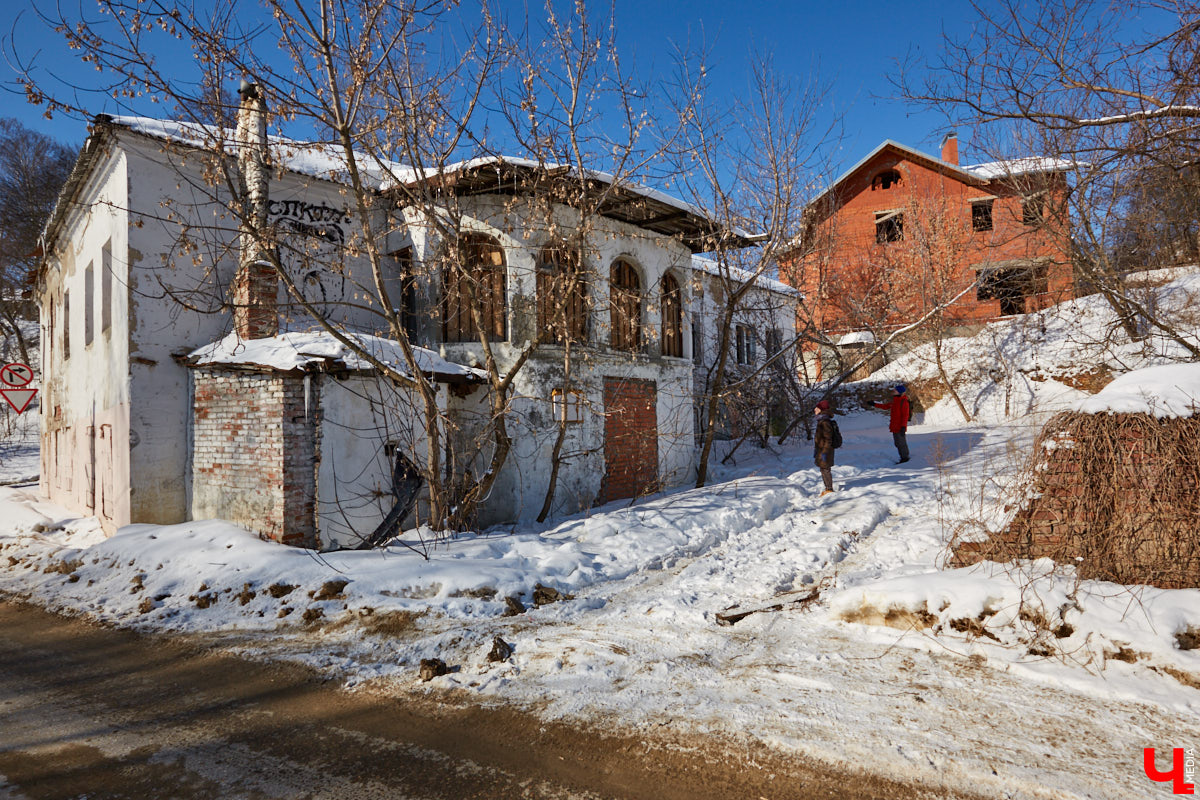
(1114, 494)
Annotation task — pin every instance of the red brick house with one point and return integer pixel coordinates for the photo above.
(902, 232)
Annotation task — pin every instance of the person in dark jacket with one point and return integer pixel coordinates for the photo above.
(823, 445)
(898, 424)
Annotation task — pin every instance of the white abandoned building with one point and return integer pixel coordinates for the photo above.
(160, 404)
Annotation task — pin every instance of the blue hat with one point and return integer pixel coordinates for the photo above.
(901, 388)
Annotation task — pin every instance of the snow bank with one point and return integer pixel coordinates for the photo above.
(1166, 392)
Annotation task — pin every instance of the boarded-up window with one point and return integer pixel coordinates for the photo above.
(672, 317)
(561, 295)
(89, 303)
(106, 287)
(66, 321)
(474, 281)
(625, 308)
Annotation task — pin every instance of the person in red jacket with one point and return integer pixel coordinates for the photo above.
(898, 424)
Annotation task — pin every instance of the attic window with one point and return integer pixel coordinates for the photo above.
(889, 226)
(885, 180)
(981, 216)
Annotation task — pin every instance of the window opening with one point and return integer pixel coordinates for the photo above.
(568, 405)
(561, 295)
(885, 180)
(1033, 209)
(981, 216)
(625, 307)
(889, 226)
(475, 278)
(66, 320)
(672, 317)
(745, 345)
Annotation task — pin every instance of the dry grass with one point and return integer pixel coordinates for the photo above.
(898, 617)
(1117, 495)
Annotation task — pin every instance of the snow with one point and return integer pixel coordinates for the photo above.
(857, 337)
(318, 159)
(1168, 391)
(762, 281)
(297, 350)
(1015, 681)
(1020, 166)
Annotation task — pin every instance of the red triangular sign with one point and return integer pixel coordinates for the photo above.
(19, 398)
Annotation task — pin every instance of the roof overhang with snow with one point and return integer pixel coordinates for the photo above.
(318, 351)
(631, 203)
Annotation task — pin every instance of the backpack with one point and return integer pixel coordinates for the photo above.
(836, 434)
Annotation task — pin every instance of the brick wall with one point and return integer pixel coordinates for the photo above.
(254, 453)
(630, 438)
(1124, 508)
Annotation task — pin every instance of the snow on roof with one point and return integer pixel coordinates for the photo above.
(1167, 391)
(857, 337)
(297, 350)
(320, 160)
(701, 264)
(328, 161)
(1019, 166)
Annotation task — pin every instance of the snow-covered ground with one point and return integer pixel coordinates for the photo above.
(1016, 681)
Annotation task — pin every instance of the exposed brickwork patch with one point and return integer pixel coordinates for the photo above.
(254, 453)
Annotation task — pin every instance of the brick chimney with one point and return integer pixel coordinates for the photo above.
(950, 148)
(255, 315)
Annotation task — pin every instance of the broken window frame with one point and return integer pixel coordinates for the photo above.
(889, 226)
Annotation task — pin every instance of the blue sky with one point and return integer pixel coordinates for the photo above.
(855, 45)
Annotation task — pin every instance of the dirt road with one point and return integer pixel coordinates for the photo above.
(98, 713)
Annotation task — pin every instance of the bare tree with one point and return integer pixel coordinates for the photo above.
(774, 136)
(33, 167)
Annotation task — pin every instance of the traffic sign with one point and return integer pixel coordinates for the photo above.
(19, 398)
(16, 374)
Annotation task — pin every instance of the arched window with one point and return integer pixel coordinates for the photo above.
(672, 317)
(474, 278)
(885, 180)
(625, 306)
(561, 294)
